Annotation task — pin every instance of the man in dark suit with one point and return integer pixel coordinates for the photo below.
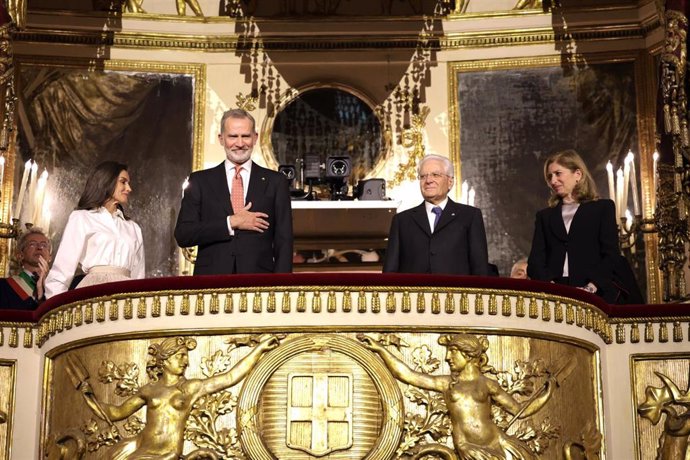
(25, 291)
(440, 235)
(238, 213)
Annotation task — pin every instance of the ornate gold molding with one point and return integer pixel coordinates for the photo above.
(347, 299)
(457, 16)
(8, 369)
(539, 36)
(229, 43)
(318, 381)
(206, 43)
(412, 138)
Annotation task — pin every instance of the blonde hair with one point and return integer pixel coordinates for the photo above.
(585, 189)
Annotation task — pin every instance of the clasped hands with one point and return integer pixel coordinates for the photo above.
(244, 219)
(43, 269)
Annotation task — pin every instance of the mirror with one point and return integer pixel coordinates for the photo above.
(328, 122)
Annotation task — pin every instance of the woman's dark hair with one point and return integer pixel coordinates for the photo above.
(100, 185)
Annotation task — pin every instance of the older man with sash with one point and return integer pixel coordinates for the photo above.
(25, 291)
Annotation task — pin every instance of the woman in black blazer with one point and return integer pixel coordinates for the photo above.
(575, 239)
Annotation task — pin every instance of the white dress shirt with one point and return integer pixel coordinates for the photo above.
(244, 174)
(430, 215)
(96, 238)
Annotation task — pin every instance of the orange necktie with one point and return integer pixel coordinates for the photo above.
(237, 192)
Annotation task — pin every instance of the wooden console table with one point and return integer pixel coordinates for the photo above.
(342, 224)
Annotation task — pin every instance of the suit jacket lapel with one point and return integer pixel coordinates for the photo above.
(556, 223)
(582, 216)
(448, 215)
(258, 181)
(420, 218)
(219, 186)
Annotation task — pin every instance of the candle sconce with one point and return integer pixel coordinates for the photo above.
(36, 212)
(631, 227)
(630, 230)
(12, 230)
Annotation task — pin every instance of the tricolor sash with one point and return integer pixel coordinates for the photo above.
(23, 285)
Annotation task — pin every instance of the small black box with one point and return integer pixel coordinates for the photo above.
(371, 189)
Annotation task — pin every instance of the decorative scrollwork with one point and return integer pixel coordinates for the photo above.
(412, 138)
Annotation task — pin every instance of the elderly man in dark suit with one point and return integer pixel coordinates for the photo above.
(438, 236)
(238, 213)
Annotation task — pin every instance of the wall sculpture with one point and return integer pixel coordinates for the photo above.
(455, 394)
(662, 397)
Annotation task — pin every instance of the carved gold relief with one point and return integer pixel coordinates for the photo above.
(527, 4)
(176, 408)
(314, 395)
(470, 400)
(661, 388)
(7, 383)
(345, 401)
(413, 139)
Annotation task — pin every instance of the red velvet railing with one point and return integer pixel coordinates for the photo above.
(342, 279)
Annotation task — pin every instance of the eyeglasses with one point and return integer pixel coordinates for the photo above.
(434, 176)
(38, 245)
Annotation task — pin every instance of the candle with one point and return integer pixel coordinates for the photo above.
(22, 190)
(628, 220)
(464, 190)
(633, 183)
(612, 186)
(619, 193)
(37, 214)
(45, 220)
(626, 182)
(185, 184)
(655, 178)
(33, 178)
(470, 197)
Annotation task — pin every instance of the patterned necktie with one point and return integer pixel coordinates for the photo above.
(237, 192)
(436, 210)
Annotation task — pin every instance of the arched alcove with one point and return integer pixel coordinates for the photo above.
(327, 121)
